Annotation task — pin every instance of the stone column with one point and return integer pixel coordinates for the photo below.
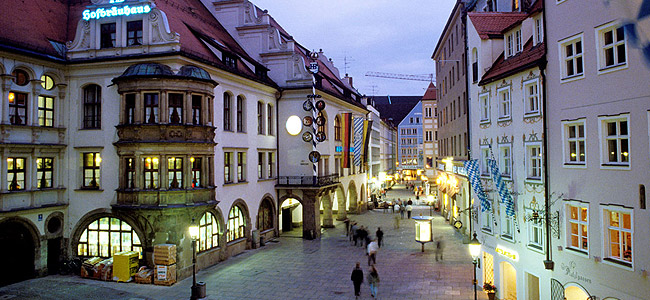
(342, 212)
(310, 215)
(328, 221)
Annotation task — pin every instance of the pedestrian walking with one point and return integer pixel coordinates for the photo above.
(372, 252)
(410, 202)
(354, 233)
(347, 226)
(380, 236)
(402, 209)
(409, 208)
(396, 224)
(362, 234)
(440, 246)
(373, 280)
(357, 279)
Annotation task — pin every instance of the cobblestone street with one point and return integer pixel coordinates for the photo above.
(292, 268)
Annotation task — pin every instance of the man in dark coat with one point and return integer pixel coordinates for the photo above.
(357, 279)
(380, 236)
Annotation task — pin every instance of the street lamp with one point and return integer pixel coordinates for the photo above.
(423, 229)
(474, 251)
(194, 235)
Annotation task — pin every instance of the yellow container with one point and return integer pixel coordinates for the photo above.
(125, 265)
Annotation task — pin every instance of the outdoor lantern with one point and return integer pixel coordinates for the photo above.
(194, 231)
(423, 229)
(474, 248)
(294, 125)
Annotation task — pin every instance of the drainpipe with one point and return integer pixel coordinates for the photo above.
(548, 263)
(466, 100)
(277, 154)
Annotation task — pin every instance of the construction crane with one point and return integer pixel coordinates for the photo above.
(423, 77)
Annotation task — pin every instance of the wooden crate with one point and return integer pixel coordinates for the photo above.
(164, 274)
(144, 276)
(164, 254)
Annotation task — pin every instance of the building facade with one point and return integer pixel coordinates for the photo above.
(598, 149)
(430, 136)
(410, 144)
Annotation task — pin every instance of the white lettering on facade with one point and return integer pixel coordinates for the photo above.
(115, 11)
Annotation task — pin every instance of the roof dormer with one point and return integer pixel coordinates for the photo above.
(513, 42)
(121, 27)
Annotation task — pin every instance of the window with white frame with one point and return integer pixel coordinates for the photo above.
(534, 161)
(509, 45)
(535, 234)
(209, 232)
(485, 155)
(486, 220)
(507, 225)
(236, 224)
(227, 167)
(615, 140)
(513, 43)
(504, 103)
(539, 30)
(531, 94)
(611, 46)
(241, 166)
(484, 102)
(505, 160)
(571, 56)
(575, 151)
(578, 223)
(618, 234)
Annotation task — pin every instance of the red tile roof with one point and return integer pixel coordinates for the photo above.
(529, 57)
(431, 93)
(491, 24)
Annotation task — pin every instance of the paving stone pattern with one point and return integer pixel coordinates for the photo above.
(290, 268)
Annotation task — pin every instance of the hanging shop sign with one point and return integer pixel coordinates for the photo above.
(314, 96)
(314, 156)
(320, 120)
(507, 253)
(307, 136)
(307, 121)
(313, 67)
(320, 105)
(320, 136)
(307, 105)
(115, 11)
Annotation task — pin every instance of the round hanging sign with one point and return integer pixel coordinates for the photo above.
(320, 120)
(314, 156)
(307, 121)
(458, 224)
(320, 105)
(320, 136)
(307, 105)
(307, 136)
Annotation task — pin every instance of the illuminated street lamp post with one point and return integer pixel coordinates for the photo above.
(194, 235)
(474, 251)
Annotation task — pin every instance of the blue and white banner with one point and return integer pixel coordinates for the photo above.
(504, 193)
(358, 139)
(474, 175)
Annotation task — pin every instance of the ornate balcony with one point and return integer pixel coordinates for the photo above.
(313, 181)
(162, 133)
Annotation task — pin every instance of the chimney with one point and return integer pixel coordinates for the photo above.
(348, 79)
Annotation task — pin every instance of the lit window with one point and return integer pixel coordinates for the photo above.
(196, 171)
(611, 46)
(91, 164)
(575, 143)
(17, 108)
(578, 237)
(44, 171)
(571, 54)
(47, 82)
(129, 172)
(45, 111)
(106, 236)
(151, 172)
(616, 141)
(175, 172)
(618, 235)
(236, 224)
(15, 173)
(208, 232)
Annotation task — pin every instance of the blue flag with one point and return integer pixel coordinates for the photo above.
(504, 193)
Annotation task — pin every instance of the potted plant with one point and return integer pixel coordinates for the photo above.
(491, 290)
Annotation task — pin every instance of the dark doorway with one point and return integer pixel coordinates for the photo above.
(53, 255)
(286, 220)
(16, 253)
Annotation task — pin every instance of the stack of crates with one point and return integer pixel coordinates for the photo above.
(164, 257)
(125, 265)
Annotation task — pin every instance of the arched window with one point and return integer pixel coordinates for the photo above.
(474, 65)
(236, 224)
(208, 232)
(265, 215)
(227, 112)
(241, 106)
(92, 107)
(107, 236)
(21, 77)
(337, 128)
(260, 117)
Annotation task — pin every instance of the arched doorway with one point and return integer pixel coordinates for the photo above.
(339, 204)
(290, 217)
(572, 292)
(17, 252)
(509, 280)
(326, 210)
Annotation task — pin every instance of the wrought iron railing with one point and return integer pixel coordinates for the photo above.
(309, 180)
